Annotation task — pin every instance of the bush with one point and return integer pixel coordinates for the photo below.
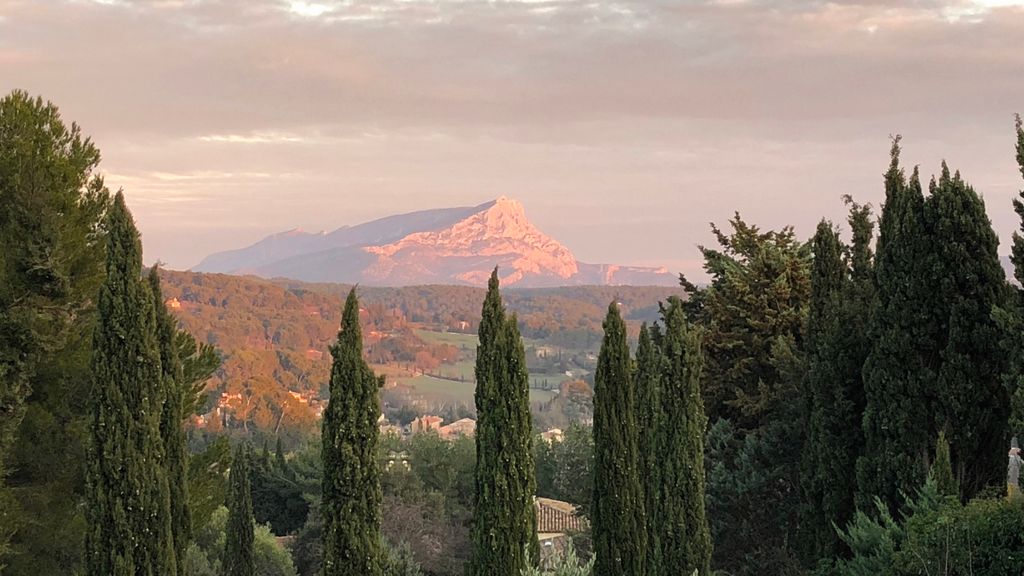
(986, 537)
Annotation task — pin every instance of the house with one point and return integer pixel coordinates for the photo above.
(556, 522)
(553, 435)
(545, 352)
(426, 424)
(173, 303)
(465, 427)
(312, 354)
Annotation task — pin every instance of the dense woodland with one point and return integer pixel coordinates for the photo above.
(835, 405)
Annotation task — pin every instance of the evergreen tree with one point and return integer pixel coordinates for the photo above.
(649, 423)
(968, 282)
(175, 441)
(899, 370)
(684, 535)
(239, 548)
(505, 520)
(942, 469)
(51, 267)
(351, 502)
(1011, 315)
(752, 318)
(935, 363)
(619, 526)
(128, 508)
(836, 348)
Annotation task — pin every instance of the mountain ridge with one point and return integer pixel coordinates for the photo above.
(439, 246)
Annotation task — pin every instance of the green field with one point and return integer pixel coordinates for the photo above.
(460, 341)
(441, 390)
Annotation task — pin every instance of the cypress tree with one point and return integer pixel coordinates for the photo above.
(942, 470)
(352, 497)
(684, 535)
(128, 506)
(649, 418)
(899, 370)
(175, 441)
(935, 363)
(1011, 316)
(619, 530)
(836, 348)
(504, 521)
(967, 282)
(239, 550)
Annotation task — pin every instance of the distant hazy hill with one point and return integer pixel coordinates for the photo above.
(446, 246)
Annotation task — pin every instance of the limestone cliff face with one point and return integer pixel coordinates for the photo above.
(445, 246)
(500, 233)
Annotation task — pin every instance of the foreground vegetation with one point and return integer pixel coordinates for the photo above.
(821, 407)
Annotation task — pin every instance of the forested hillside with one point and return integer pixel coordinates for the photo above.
(273, 336)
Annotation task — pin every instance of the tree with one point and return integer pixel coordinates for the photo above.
(175, 441)
(684, 535)
(239, 554)
(836, 348)
(619, 524)
(1010, 316)
(935, 362)
(504, 520)
(967, 282)
(649, 421)
(899, 371)
(351, 482)
(51, 267)
(752, 317)
(942, 469)
(128, 507)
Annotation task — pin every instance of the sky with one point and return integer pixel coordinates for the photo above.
(624, 127)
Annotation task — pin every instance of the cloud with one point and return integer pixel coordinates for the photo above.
(356, 108)
(253, 138)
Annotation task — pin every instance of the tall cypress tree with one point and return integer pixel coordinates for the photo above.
(351, 485)
(175, 441)
(128, 507)
(649, 418)
(935, 363)
(504, 519)
(966, 283)
(684, 535)
(239, 551)
(899, 370)
(1011, 316)
(836, 348)
(619, 524)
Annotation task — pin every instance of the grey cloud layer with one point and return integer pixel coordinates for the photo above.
(258, 116)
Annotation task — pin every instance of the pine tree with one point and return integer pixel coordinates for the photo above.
(352, 497)
(836, 348)
(649, 422)
(175, 441)
(684, 535)
(51, 266)
(504, 521)
(899, 370)
(128, 507)
(619, 526)
(239, 551)
(966, 283)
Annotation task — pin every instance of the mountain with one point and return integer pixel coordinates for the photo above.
(444, 246)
